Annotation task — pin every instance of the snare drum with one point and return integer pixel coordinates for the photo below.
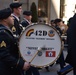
(43, 37)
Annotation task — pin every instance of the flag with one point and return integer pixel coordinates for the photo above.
(50, 53)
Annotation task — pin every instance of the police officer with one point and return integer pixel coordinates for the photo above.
(16, 12)
(27, 21)
(10, 61)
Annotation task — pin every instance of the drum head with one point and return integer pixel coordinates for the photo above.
(43, 37)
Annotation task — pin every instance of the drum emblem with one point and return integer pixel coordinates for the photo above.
(50, 53)
(28, 52)
(51, 33)
(30, 32)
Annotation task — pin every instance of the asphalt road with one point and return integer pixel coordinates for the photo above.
(54, 68)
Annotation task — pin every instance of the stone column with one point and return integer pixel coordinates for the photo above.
(55, 9)
(49, 10)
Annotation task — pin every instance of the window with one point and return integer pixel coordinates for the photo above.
(42, 8)
(62, 8)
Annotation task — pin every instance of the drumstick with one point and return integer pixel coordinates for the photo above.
(35, 55)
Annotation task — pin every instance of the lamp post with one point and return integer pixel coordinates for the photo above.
(39, 14)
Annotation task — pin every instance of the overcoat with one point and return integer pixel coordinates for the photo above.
(71, 39)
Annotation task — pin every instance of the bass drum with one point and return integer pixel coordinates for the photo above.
(43, 37)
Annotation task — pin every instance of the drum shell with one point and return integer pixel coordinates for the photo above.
(40, 36)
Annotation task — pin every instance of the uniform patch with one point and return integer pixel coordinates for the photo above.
(3, 44)
(13, 29)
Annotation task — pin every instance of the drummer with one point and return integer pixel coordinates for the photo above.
(27, 18)
(27, 21)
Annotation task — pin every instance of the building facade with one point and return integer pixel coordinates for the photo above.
(47, 9)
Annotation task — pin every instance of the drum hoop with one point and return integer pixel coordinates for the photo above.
(60, 46)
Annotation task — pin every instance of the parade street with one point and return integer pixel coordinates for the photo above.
(54, 68)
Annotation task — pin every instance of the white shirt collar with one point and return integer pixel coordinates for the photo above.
(27, 20)
(15, 16)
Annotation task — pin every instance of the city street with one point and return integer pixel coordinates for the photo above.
(54, 68)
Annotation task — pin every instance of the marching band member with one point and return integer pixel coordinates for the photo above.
(16, 12)
(71, 39)
(10, 61)
(27, 21)
(27, 18)
(60, 60)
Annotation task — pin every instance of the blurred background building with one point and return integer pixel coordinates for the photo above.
(47, 9)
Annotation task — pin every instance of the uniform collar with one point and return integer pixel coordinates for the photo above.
(5, 27)
(15, 16)
(27, 20)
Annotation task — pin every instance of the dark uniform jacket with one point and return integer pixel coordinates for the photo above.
(60, 32)
(71, 39)
(10, 62)
(24, 23)
(31, 70)
(16, 29)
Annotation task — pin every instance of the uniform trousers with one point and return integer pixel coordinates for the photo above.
(74, 70)
(61, 60)
(32, 71)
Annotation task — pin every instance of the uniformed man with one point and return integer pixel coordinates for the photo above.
(27, 21)
(60, 60)
(16, 12)
(10, 61)
(71, 39)
(27, 18)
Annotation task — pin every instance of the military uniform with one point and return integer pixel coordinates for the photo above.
(10, 62)
(71, 39)
(60, 60)
(16, 28)
(24, 23)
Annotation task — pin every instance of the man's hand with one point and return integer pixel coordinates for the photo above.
(26, 66)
